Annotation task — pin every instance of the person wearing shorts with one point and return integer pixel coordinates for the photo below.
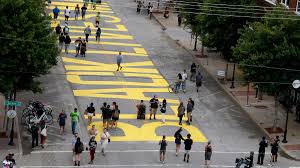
(153, 106)
(187, 146)
(90, 112)
(163, 147)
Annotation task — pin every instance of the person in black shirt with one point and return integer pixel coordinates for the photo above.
(109, 113)
(58, 29)
(92, 148)
(90, 112)
(104, 114)
(67, 43)
(187, 146)
(178, 138)
(261, 151)
(163, 147)
(274, 148)
(34, 136)
(193, 72)
(153, 105)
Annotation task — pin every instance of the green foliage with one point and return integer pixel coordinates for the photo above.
(190, 8)
(28, 45)
(273, 43)
(221, 32)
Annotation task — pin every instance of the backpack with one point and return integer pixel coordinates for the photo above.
(142, 108)
(80, 148)
(66, 30)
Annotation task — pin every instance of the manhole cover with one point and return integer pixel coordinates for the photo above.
(260, 106)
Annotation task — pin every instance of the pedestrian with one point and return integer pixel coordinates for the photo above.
(66, 29)
(180, 110)
(58, 29)
(208, 152)
(178, 138)
(163, 109)
(12, 160)
(199, 79)
(179, 19)
(78, 43)
(55, 12)
(261, 150)
(67, 43)
(34, 135)
(74, 139)
(87, 32)
(83, 48)
(178, 82)
(141, 110)
(77, 12)
(97, 20)
(148, 8)
(189, 110)
(78, 150)
(67, 13)
(105, 139)
(109, 113)
(83, 11)
(74, 120)
(166, 13)
(187, 146)
(92, 149)
(153, 107)
(139, 6)
(193, 72)
(43, 133)
(61, 40)
(274, 148)
(119, 60)
(93, 131)
(90, 110)
(151, 11)
(93, 4)
(62, 121)
(115, 114)
(184, 78)
(104, 115)
(163, 147)
(98, 34)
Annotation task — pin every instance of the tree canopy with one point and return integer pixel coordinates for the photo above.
(28, 47)
(272, 43)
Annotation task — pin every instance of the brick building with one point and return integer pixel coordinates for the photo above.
(293, 5)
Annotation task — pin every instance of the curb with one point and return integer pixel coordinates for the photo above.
(226, 91)
(161, 24)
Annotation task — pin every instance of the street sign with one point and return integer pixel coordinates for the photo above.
(13, 103)
(11, 114)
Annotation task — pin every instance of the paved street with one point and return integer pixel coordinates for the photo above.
(151, 61)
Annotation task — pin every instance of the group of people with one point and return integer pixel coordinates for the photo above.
(140, 5)
(36, 131)
(263, 144)
(110, 115)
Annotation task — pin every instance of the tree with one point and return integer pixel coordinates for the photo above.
(28, 47)
(219, 27)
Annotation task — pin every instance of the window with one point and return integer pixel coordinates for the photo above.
(298, 6)
(285, 2)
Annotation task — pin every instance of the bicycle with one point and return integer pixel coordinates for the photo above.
(172, 88)
(33, 119)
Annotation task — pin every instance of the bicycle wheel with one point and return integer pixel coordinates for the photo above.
(48, 118)
(29, 119)
(48, 109)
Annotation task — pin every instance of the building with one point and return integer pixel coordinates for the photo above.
(293, 5)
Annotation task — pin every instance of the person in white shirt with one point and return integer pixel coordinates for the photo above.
(184, 78)
(67, 13)
(105, 138)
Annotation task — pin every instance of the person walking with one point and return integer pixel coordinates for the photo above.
(187, 146)
(83, 11)
(119, 60)
(67, 43)
(178, 138)
(97, 20)
(78, 43)
(141, 110)
(62, 121)
(189, 109)
(92, 149)
(105, 138)
(109, 113)
(104, 115)
(193, 72)
(199, 78)
(263, 144)
(67, 13)
(163, 147)
(74, 139)
(150, 12)
(98, 34)
(274, 148)
(139, 6)
(83, 48)
(55, 12)
(43, 133)
(184, 78)
(153, 107)
(179, 19)
(178, 83)
(163, 109)
(77, 12)
(180, 112)
(34, 136)
(208, 152)
(115, 114)
(93, 131)
(78, 149)
(66, 29)
(90, 112)
(74, 120)
(87, 32)
(61, 40)
(58, 29)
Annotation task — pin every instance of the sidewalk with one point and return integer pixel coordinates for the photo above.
(262, 112)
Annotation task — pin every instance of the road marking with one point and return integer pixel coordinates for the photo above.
(138, 52)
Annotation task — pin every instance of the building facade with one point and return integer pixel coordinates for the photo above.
(293, 5)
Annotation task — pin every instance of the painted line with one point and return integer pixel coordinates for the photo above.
(141, 151)
(138, 52)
